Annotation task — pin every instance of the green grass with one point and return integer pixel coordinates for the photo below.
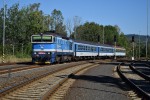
(12, 59)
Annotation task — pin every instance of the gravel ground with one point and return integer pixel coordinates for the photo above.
(97, 83)
(21, 76)
(12, 66)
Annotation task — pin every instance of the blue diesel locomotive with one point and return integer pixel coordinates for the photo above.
(54, 48)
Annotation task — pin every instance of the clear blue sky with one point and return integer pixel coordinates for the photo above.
(129, 15)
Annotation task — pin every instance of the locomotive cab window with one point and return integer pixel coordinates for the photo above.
(47, 39)
(39, 38)
(36, 38)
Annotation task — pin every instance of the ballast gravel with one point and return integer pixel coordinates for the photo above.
(10, 79)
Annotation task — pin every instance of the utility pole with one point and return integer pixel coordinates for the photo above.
(115, 39)
(133, 47)
(13, 49)
(22, 49)
(115, 50)
(103, 35)
(133, 50)
(147, 32)
(139, 45)
(4, 32)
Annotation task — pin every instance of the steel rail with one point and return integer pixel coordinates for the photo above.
(146, 77)
(23, 83)
(132, 85)
(19, 68)
(50, 92)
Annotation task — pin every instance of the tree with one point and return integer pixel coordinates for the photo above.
(77, 22)
(88, 32)
(21, 24)
(46, 22)
(69, 27)
(57, 22)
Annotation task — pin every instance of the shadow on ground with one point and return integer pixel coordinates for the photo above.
(105, 80)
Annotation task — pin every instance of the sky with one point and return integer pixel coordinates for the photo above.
(129, 15)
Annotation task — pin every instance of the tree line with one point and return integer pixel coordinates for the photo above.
(21, 23)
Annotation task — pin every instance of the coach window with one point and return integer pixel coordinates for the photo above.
(101, 49)
(86, 48)
(79, 47)
(91, 48)
(82, 47)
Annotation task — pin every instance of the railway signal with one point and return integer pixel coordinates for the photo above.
(132, 38)
(4, 33)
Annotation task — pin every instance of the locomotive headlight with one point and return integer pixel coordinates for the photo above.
(48, 52)
(34, 52)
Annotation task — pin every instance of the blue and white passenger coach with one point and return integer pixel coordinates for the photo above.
(51, 48)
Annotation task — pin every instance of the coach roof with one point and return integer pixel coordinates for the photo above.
(92, 43)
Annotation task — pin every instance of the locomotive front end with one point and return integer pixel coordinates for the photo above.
(41, 48)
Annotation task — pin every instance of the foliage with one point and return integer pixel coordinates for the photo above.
(140, 46)
(22, 23)
(57, 22)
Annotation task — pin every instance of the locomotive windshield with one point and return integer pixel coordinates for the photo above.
(44, 38)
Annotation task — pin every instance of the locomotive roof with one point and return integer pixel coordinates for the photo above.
(56, 34)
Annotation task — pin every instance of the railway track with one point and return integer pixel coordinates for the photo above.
(15, 68)
(137, 80)
(142, 70)
(42, 86)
